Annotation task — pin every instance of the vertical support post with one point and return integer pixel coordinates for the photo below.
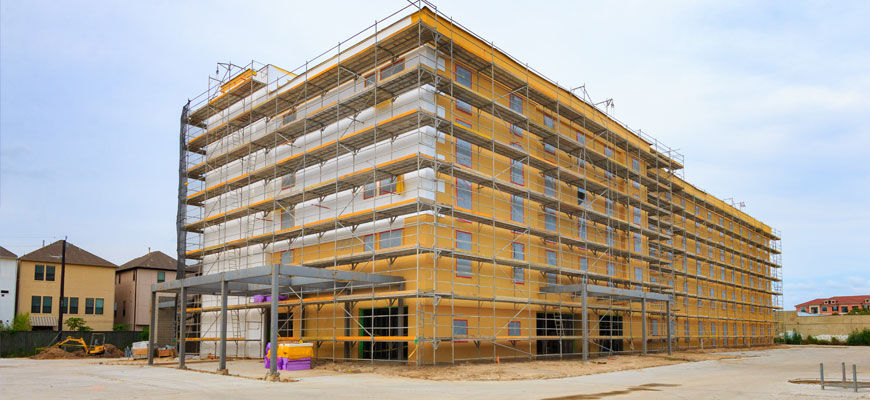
(844, 371)
(585, 322)
(182, 322)
(670, 346)
(855, 378)
(643, 322)
(222, 364)
(822, 375)
(152, 328)
(273, 331)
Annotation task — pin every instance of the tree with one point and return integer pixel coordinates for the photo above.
(77, 324)
(20, 322)
(120, 327)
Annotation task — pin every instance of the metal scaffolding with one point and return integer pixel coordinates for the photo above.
(510, 217)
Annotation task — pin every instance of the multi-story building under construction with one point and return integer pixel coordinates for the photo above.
(417, 195)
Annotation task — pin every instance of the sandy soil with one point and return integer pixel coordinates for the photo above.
(517, 370)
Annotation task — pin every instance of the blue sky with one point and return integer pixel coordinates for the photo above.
(767, 101)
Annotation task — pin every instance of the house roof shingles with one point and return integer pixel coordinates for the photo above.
(74, 255)
(6, 253)
(839, 299)
(152, 260)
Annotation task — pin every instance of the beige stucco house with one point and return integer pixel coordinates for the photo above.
(133, 282)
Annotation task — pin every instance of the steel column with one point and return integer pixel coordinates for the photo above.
(222, 364)
(643, 322)
(152, 328)
(182, 318)
(585, 321)
(670, 346)
(273, 331)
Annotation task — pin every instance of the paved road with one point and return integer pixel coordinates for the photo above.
(759, 375)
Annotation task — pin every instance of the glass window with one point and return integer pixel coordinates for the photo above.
(39, 272)
(609, 206)
(161, 276)
(369, 81)
(463, 152)
(584, 264)
(516, 103)
(393, 69)
(463, 268)
(611, 269)
(581, 228)
(287, 257)
(49, 272)
(517, 175)
(288, 180)
(549, 122)
(460, 327)
(463, 194)
(638, 243)
(550, 219)
(463, 241)
(514, 328)
(287, 219)
(369, 190)
(390, 239)
(516, 208)
(552, 279)
(635, 164)
(519, 276)
(46, 304)
(581, 196)
(549, 148)
(35, 304)
(610, 239)
(581, 138)
(608, 152)
(463, 76)
(549, 185)
(463, 106)
(73, 305)
(552, 258)
(638, 274)
(89, 306)
(516, 130)
(636, 215)
(518, 251)
(98, 309)
(388, 185)
(368, 242)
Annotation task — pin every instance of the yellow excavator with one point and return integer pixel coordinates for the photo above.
(97, 346)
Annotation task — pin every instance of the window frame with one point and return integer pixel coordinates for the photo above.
(511, 103)
(469, 189)
(456, 67)
(49, 272)
(391, 65)
(462, 109)
(39, 272)
(548, 117)
(460, 157)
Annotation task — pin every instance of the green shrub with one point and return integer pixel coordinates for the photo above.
(20, 323)
(835, 341)
(144, 334)
(120, 327)
(77, 324)
(794, 338)
(859, 338)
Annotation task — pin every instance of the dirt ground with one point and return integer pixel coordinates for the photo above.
(518, 370)
(57, 353)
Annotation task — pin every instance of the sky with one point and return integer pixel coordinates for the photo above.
(767, 101)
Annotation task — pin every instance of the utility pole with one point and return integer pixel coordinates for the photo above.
(60, 299)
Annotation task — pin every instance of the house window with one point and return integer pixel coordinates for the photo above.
(286, 219)
(549, 122)
(465, 124)
(638, 243)
(46, 304)
(98, 309)
(611, 269)
(89, 306)
(518, 251)
(610, 239)
(463, 76)
(608, 152)
(635, 164)
(581, 138)
(552, 258)
(161, 276)
(286, 257)
(581, 228)
(463, 152)
(516, 208)
(388, 185)
(368, 242)
(35, 304)
(550, 219)
(73, 305)
(49, 272)
(460, 327)
(514, 328)
(549, 185)
(609, 207)
(549, 148)
(638, 274)
(463, 194)
(369, 190)
(390, 239)
(288, 180)
(516, 130)
(516, 103)
(584, 264)
(519, 276)
(463, 106)
(463, 242)
(39, 272)
(370, 80)
(392, 69)
(463, 268)
(581, 196)
(636, 215)
(517, 175)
